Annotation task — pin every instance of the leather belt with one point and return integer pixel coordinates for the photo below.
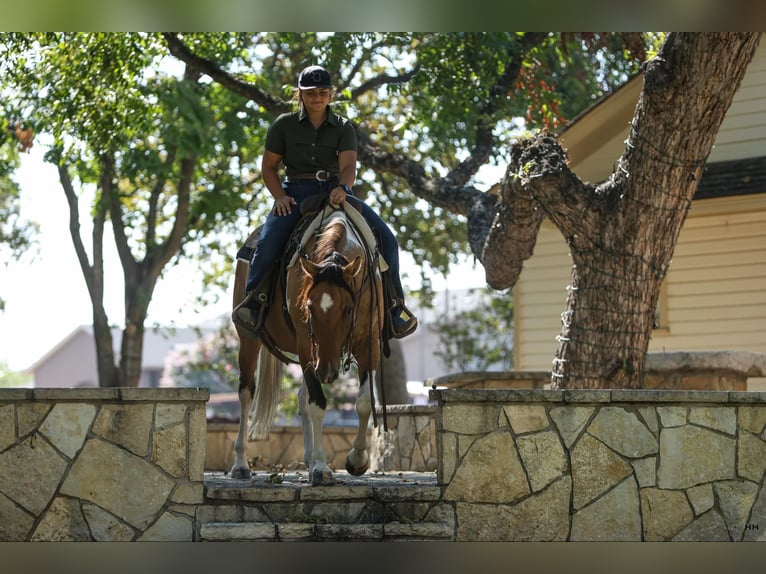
(321, 175)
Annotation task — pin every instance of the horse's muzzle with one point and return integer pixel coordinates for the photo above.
(326, 373)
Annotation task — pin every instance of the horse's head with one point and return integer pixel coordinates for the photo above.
(330, 311)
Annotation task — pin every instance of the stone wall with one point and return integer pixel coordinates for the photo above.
(615, 465)
(283, 447)
(100, 464)
(409, 444)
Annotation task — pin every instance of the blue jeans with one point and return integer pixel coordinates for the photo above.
(277, 229)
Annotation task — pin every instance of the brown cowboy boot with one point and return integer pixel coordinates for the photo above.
(249, 314)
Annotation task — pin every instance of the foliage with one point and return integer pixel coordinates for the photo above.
(16, 233)
(422, 95)
(480, 337)
(143, 110)
(209, 363)
(9, 378)
(173, 156)
(435, 91)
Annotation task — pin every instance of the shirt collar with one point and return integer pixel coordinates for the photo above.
(331, 117)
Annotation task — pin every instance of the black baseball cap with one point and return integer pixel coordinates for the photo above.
(314, 77)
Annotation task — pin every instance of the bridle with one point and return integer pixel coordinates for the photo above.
(345, 350)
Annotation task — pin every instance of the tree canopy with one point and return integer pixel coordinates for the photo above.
(168, 130)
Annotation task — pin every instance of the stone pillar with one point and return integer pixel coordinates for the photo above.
(113, 464)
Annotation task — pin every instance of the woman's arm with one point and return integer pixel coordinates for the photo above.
(346, 175)
(270, 172)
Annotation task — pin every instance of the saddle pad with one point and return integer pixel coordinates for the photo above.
(360, 224)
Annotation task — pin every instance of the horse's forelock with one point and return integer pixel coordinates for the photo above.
(329, 271)
(330, 262)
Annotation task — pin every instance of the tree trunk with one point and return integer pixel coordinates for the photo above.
(395, 376)
(622, 233)
(108, 374)
(136, 308)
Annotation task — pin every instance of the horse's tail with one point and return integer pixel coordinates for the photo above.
(267, 394)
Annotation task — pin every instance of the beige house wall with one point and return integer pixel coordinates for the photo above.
(743, 131)
(714, 295)
(596, 139)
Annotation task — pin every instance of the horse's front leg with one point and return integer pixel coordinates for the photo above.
(358, 459)
(308, 433)
(319, 471)
(247, 362)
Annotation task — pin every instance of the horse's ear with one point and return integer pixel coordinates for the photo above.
(353, 268)
(309, 267)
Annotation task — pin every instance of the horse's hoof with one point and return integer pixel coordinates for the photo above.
(322, 478)
(357, 470)
(240, 473)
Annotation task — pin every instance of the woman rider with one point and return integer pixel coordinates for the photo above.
(318, 149)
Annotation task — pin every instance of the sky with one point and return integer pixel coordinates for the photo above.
(46, 296)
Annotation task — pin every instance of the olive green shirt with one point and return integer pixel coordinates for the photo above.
(305, 149)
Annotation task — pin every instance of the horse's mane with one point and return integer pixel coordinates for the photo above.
(326, 255)
(327, 242)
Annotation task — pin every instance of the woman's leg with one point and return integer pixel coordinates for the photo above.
(404, 322)
(271, 242)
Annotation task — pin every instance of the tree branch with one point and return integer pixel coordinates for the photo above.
(111, 199)
(449, 192)
(182, 52)
(74, 231)
(538, 183)
(173, 243)
(382, 80)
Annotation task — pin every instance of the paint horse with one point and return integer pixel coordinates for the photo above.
(327, 310)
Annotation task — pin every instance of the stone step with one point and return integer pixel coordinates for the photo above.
(307, 531)
(377, 506)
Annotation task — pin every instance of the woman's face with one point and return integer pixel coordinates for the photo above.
(316, 100)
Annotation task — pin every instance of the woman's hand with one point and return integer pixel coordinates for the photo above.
(337, 196)
(283, 205)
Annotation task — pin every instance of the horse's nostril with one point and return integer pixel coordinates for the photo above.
(326, 376)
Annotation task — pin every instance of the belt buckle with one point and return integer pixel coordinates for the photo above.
(322, 175)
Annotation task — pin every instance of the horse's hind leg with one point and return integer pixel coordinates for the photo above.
(248, 359)
(358, 460)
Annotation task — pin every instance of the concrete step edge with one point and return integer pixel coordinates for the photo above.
(227, 531)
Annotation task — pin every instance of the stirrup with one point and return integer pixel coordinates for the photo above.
(403, 322)
(249, 315)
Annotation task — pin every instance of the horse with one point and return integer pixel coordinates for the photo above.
(327, 310)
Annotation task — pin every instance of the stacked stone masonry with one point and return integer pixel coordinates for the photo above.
(100, 464)
(511, 465)
(614, 465)
(284, 507)
(283, 447)
(409, 444)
